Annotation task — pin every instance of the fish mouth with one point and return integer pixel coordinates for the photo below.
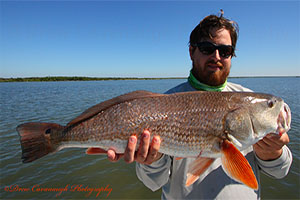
(284, 119)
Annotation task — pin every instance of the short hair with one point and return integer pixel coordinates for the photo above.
(202, 30)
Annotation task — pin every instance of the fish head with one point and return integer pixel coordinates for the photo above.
(259, 115)
(269, 114)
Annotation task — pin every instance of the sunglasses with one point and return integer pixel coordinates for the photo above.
(208, 48)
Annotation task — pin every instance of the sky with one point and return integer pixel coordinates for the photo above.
(141, 38)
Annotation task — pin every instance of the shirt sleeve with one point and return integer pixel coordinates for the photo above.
(278, 168)
(157, 174)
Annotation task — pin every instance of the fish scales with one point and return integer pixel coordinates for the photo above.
(187, 124)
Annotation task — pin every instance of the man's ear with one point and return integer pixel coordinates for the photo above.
(191, 50)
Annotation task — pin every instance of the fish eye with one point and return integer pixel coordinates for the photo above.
(271, 103)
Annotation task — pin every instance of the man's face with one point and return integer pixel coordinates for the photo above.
(212, 69)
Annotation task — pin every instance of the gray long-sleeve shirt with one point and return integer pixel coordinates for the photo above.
(170, 174)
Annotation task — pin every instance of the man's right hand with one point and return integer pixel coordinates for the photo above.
(147, 152)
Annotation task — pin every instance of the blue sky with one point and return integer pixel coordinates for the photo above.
(140, 38)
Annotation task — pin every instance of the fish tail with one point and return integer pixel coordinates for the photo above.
(236, 165)
(38, 139)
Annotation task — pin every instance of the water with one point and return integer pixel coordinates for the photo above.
(59, 102)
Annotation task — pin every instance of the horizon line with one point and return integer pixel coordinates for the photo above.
(87, 78)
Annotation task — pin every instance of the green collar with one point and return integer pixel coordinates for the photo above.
(201, 86)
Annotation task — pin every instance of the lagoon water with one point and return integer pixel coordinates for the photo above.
(76, 173)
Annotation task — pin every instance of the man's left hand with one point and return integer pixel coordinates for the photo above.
(270, 147)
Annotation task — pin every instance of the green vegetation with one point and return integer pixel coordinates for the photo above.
(82, 78)
(73, 78)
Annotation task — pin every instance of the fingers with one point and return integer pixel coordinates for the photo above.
(153, 154)
(256, 147)
(270, 147)
(275, 141)
(280, 140)
(285, 138)
(128, 154)
(130, 149)
(144, 147)
(147, 152)
(112, 156)
(267, 144)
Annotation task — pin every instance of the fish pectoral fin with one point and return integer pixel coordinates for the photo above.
(196, 168)
(236, 165)
(95, 151)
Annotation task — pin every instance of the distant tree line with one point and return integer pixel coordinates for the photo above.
(73, 78)
(82, 78)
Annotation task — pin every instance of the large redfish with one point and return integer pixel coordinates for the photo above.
(204, 125)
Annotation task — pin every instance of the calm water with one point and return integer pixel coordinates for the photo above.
(72, 169)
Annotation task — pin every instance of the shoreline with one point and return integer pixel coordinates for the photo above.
(83, 78)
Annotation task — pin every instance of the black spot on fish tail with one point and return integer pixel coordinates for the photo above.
(37, 140)
(48, 131)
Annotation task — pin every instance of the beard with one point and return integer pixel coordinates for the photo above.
(212, 78)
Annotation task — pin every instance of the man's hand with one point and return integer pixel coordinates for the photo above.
(270, 147)
(147, 152)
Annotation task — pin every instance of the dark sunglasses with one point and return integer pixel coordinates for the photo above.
(208, 48)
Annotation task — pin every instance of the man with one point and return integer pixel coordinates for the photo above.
(212, 45)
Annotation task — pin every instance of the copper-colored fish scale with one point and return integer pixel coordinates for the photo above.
(186, 122)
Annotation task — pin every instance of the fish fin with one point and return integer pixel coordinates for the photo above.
(94, 110)
(36, 141)
(236, 165)
(95, 151)
(196, 168)
(179, 158)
